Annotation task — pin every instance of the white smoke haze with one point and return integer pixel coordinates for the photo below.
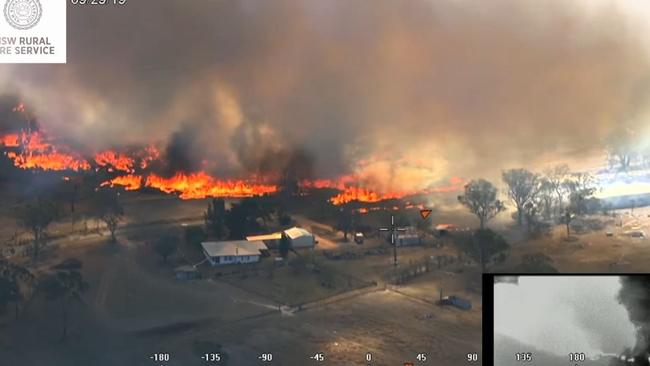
(564, 314)
(408, 94)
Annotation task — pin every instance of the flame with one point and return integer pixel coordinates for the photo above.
(119, 161)
(12, 140)
(37, 153)
(33, 149)
(129, 182)
(201, 185)
(362, 195)
(149, 154)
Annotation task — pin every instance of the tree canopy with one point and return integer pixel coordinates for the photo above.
(481, 199)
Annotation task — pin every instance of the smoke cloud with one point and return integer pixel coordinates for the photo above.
(403, 93)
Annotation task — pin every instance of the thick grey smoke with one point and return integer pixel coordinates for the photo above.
(407, 92)
(635, 295)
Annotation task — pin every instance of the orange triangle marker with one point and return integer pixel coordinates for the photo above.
(425, 213)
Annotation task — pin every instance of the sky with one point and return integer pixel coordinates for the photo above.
(405, 94)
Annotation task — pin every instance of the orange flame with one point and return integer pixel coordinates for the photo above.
(149, 154)
(12, 140)
(32, 149)
(129, 182)
(362, 195)
(201, 185)
(37, 153)
(116, 160)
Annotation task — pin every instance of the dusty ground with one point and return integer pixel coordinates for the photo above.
(135, 308)
(594, 252)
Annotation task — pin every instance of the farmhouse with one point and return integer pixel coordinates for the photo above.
(231, 252)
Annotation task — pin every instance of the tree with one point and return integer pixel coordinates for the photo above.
(481, 199)
(536, 263)
(16, 285)
(523, 187)
(166, 245)
(583, 183)
(544, 199)
(242, 218)
(621, 149)
(556, 178)
(285, 245)
(36, 217)
(67, 285)
(215, 219)
(194, 236)
(284, 219)
(581, 187)
(486, 244)
(108, 208)
(345, 221)
(569, 215)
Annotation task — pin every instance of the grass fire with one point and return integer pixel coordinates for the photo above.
(330, 181)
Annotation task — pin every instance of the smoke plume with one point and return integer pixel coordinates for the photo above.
(406, 94)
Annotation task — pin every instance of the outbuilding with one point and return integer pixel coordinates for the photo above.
(186, 273)
(300, 238)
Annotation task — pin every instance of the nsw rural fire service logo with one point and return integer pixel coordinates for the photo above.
(23, 14)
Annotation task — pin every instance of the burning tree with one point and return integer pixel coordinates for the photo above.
(36, 217)
(481, 199)
(523, 187)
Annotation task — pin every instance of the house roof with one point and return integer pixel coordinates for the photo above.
(296, 232)
(233, 248)
(272, 236)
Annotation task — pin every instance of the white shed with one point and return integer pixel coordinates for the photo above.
(300, 238)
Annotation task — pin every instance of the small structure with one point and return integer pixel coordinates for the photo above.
(300, 238)
(231, 252)
(407, 239)
(186, 273)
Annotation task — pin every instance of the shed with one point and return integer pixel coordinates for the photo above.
(300, 238)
